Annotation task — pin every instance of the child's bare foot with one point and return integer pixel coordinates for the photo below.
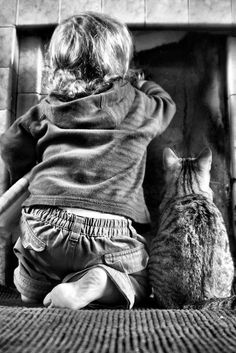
(94, 285)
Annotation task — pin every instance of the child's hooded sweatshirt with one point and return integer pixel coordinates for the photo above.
(89, 152)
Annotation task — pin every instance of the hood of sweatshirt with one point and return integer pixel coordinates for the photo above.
(105, 110)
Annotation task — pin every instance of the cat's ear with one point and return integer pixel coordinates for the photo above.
(204, 159)
(169, 158)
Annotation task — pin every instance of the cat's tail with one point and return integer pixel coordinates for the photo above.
(214, 303)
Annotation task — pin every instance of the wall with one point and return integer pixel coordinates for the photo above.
(144, 12)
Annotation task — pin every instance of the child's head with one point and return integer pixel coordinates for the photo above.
(87, 51)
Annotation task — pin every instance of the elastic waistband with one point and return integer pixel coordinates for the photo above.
(91, 226)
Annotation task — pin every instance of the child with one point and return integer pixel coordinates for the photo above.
(86, 145)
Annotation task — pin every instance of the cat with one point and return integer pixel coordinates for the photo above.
(190, 263)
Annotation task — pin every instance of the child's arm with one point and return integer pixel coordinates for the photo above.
(160, 105)
(18, 148)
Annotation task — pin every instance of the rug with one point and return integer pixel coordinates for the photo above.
(38, 330)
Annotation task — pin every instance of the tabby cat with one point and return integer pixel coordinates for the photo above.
(190, 260)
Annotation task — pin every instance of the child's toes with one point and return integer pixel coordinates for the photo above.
(47, 300)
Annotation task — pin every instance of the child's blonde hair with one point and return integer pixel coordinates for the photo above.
(88, 51)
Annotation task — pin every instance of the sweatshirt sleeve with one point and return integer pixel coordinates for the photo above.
(18, 147)
(160, 105)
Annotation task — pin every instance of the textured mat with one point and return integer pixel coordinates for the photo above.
(140, 330)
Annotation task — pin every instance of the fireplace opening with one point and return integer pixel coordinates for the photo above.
(191, 66)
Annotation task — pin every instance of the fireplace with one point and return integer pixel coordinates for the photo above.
(193, 62)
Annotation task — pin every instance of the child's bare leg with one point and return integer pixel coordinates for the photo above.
(94, 285)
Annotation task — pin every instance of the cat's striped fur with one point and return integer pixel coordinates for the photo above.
(190, 259)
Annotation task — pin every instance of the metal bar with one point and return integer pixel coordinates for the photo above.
(231, 93)
(11, 201)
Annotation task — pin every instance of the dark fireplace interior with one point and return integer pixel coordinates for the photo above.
(191, 66)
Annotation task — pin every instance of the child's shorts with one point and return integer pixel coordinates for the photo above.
(57, 246)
